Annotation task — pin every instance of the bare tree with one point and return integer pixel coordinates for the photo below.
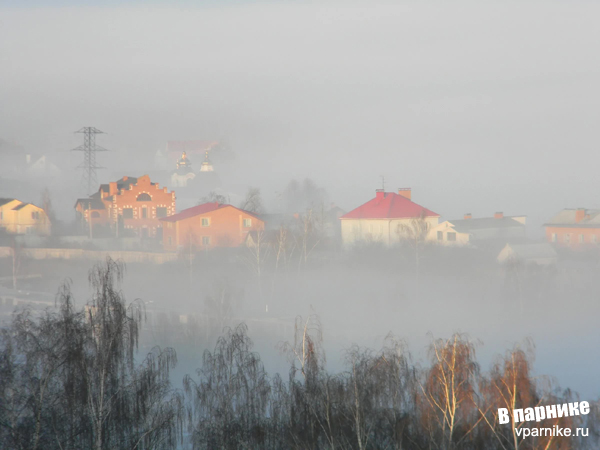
(448, 390)
(46, 203)
(308, 234)
(16, 252)
(73, 382)
(253, 201)
(229, 402)
(212, 197)
(415, 234)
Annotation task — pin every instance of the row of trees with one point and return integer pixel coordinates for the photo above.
(380, 401)
(69, 379)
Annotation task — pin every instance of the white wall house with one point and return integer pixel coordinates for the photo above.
(387, 218)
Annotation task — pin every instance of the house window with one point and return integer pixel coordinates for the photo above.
(143, 197)
(205, 221)
(440, 235)
(581, 239)
(205, 240)
(161, 211)
(144, 213)
(35, 215)
(127, 213)
(247, 223)
(1, 215)
(553, 237)
(451, 236)
(567, 237)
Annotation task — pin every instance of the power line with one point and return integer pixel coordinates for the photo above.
(89, 148)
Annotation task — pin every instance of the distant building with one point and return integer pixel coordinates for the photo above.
(184, 173)
(499, 229)
(446, 233)
(209, 225)
(575, 228)
(41, 167)
(538, 253)
(15, 162)
(384, 218)
(263, 238)
(17, 217)
(206, 164)
(130, 203)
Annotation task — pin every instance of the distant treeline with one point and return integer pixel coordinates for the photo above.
(69, 379)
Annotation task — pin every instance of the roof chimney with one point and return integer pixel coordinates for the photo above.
(379, 194)
(112, 188)
(404, 192)
(498, 215)
(468, 216)
(579, 215)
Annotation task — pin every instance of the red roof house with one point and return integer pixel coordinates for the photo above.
(381, 218)
(208, 225)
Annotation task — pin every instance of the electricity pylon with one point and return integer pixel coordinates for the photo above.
(89, 148)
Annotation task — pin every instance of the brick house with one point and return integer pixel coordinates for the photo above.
(575, 228)
(381, 218)
(134, 204)
(209, 225)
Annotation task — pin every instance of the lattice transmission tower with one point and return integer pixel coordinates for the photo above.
(89, 180)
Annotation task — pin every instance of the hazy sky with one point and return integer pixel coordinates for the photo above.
(479, 106)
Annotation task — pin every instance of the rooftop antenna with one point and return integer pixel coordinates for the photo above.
(383, 183)
(89, 148)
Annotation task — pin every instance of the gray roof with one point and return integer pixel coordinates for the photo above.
(91, 203)
(4, 201)
(21, 205)
(567, 218)
(468, 225)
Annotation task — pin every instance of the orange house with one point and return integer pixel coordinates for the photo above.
(208, 225)
(134, 203)
(574, 228)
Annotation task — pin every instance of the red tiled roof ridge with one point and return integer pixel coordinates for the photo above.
(389, 206)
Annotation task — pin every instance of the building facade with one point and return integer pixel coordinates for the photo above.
(574, 228)
(17, 217)
(207, 226)
(135, 204)
(387, 219)
(469, 230)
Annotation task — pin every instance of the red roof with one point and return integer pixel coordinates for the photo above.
(201, 209)
(388, 205)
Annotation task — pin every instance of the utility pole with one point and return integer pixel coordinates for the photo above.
(90, 217)
(89, 148)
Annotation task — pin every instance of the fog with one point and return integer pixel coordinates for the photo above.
(439, 97)
(477, 106)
